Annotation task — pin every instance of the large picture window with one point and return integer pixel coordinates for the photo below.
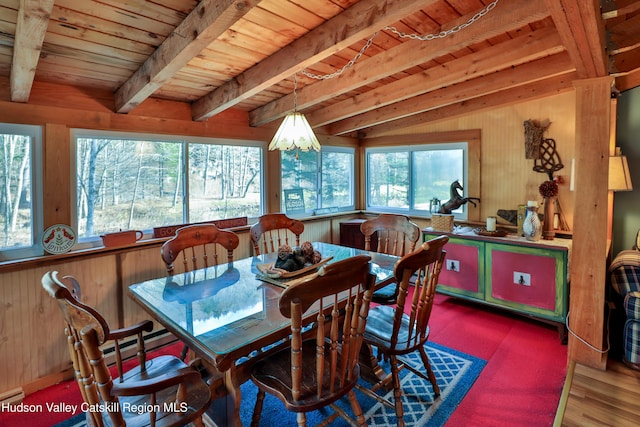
(406, 178)
(318, 182)
(20, 198)
(139, 182)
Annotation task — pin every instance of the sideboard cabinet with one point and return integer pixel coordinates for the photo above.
(529, 278)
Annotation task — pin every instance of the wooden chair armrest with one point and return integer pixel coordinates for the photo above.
(134, 388)
(145, 325)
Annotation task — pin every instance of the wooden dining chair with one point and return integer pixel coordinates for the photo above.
(320, 368)
(274, 230)
(201, 246)
(395, 332)
(169, 392)
(393, 235)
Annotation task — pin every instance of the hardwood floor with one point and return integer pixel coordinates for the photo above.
(600, 398)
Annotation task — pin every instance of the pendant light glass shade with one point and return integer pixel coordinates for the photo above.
(295, 133)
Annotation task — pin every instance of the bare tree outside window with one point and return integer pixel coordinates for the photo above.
(325, 178)
(125, 184)
(406, 179)
(15, 198)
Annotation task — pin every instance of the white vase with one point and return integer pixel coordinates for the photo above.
(532, 227)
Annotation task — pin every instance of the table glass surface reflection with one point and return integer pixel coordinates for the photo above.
(223, 308)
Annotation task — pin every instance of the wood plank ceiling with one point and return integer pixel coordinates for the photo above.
(248, 54)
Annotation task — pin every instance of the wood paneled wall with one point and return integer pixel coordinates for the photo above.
(33, 349)
(507, 177)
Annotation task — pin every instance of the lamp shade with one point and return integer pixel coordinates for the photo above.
(295, 133)
(619, 178)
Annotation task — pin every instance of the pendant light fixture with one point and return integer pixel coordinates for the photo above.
(294, 132)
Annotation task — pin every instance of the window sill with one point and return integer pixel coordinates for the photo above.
(43, 260)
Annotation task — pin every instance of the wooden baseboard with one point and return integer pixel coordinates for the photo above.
(48, 381)
(129, 352)
(12, 397)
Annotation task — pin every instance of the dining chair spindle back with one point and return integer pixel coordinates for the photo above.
(390, 234)
(274, 230)
(321, 366)
(173, 393)
(395, 332)
(201, 246)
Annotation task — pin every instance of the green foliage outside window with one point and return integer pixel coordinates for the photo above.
(406, 179)
(326, 178)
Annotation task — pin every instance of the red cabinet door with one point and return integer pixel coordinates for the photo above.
(526, 279)
(463, 270)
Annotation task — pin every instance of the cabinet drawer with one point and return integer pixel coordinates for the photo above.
(463, 269)
(526, 279)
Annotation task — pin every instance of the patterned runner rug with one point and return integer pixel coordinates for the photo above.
(455, 371)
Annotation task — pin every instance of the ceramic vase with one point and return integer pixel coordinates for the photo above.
(532, 227)
(548, 231)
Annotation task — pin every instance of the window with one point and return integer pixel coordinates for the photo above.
(225, 181)
(405, 179)
(20, 201)
(318, 182)
(140, 182)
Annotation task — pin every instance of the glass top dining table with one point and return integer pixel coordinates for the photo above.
(227, 312)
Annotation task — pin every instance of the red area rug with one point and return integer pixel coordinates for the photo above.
(520, 384)
(526, 364)
(54, 404)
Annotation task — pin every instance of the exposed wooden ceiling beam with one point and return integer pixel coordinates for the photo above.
(624, 35)
(528, 47)
(540, 89)
(628, 81)
(201, 27)
(613, 9)
(506, 16)
(581, 28)
(354, 24)
(495, 82)
(626, 61)
(33, 20)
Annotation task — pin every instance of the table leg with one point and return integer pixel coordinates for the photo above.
(370, 369)
(234, 397)
(226, 397)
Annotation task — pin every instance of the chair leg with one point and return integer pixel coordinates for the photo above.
(357, 409)
(397, 391)
(301, 417)
(432, 377)
(198, 422)
(257, 409)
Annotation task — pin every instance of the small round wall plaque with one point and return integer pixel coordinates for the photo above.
(58, 239)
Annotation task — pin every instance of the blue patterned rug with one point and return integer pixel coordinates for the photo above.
(456, 372)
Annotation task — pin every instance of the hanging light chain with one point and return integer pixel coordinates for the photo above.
(443, 34)
(401, 34)
(295, 93)
(357, 56)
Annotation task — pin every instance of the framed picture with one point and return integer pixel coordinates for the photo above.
(294, 201)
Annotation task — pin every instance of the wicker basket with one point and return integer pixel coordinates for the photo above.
(442, 222)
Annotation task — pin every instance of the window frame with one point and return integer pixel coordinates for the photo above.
(185, 140)
(325, 210)
(422, 142)
(35, 247)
